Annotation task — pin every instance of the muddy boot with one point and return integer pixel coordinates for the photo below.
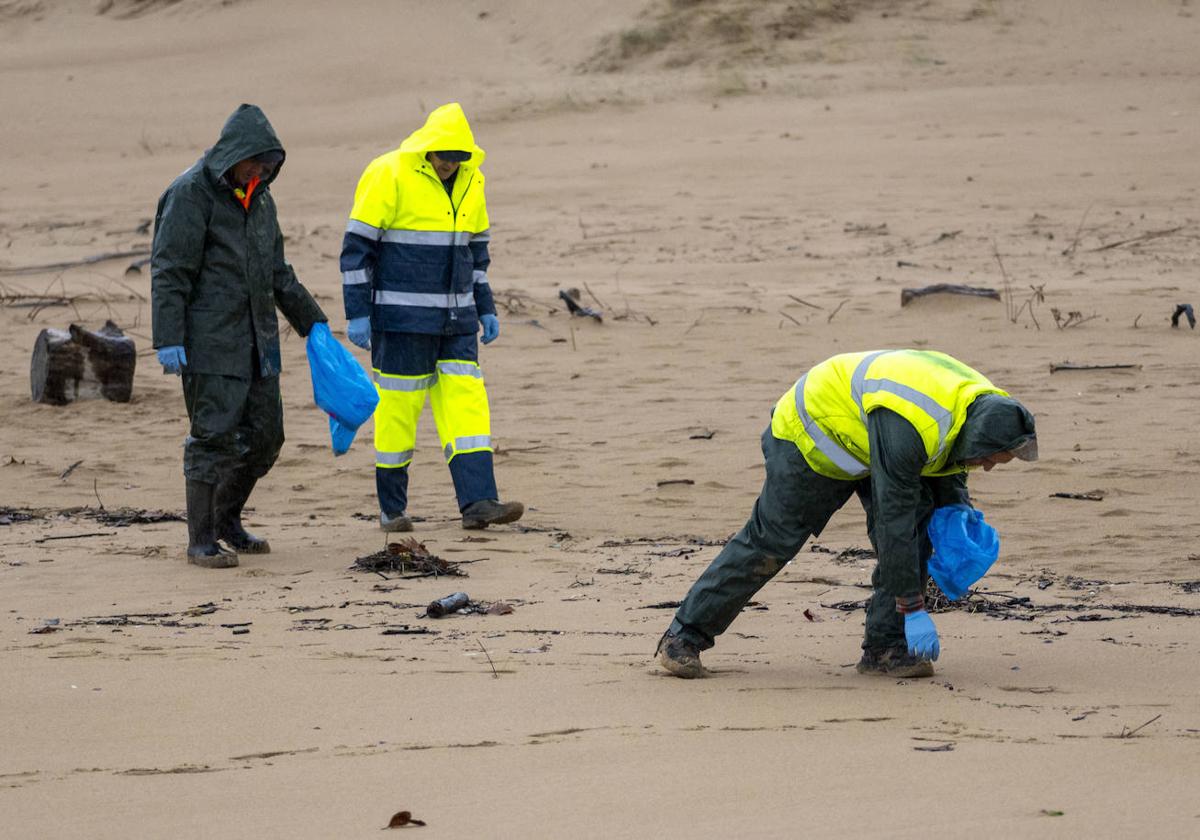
(894, 662)
(490, 512)
(680, 657)
(394, 522)
(228, 501)
(203, 549)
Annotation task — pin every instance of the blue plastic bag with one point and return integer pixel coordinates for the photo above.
(964, 548)
(341, 387)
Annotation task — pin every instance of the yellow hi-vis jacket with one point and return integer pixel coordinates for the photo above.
(414, 257)
(825, 412)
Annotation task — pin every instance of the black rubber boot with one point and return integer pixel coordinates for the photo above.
(203, 548)
(230, 498)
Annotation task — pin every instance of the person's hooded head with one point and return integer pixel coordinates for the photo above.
(997, 429)
(446, 141)
(247, 148)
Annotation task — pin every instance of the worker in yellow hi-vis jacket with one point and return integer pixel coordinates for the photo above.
(414, 269)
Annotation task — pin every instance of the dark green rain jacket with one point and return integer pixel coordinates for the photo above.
(218, 270)
(902, 499)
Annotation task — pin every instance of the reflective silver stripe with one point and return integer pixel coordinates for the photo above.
(943, 417)
(426, 237)
(393, 459)
(396, 383)
(474, 442)
(436, 301)
(842, 459)
(480, 278)
(356, 278)
(859, 377)
(482, 236)
(364, 230)
(860, 385)
(460, 369)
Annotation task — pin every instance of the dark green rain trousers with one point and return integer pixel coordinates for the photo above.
(218, 273)
(796, 503)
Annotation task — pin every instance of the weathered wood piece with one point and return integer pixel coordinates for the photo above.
(79, 363)
(62, 266)
(907, 295)
(1054, 368)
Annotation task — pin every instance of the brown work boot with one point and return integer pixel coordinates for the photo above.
(893, 662)
(680, 657)
(203, 549)
(490, 512)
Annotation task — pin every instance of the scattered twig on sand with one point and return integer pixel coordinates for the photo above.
(836, 310)
(803, 302)
(667, 481)
(790, 318)
(662, 605)
(76, 536)
(907, 295)
(592, 294)
(495, 673)
(1091, 496)
(1131, 732)
(1071, 319)
(67, 472)
(1070, 249)
(1055, 368)
(1154, 234)
(59, 266)
(1010, 304)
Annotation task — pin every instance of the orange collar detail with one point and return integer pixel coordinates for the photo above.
(244, 195)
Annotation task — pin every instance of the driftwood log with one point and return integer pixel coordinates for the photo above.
(79, 363)
(908, 295)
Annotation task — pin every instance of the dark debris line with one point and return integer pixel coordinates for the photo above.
(1022, 608)
(115, 518)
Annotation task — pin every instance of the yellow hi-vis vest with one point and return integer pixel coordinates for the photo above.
(825, 412)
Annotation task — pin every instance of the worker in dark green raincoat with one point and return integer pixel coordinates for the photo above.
(897, 428)
(218, 272)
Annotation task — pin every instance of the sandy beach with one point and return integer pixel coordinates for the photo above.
(741, 190)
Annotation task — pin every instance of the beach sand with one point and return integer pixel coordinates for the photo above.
(738, 215)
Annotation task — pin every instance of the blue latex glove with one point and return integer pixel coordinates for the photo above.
(173, 359)
(922, 636)
(359, 332)
(491, 328)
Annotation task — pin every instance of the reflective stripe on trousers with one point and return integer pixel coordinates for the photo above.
(458, 397)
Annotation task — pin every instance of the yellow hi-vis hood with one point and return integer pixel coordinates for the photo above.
(445, 130)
